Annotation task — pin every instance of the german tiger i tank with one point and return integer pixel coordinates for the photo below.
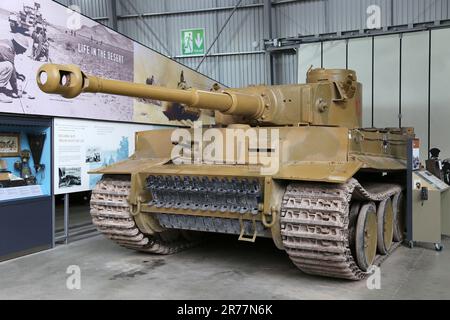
(327, 191)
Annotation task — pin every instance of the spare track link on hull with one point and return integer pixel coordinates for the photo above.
(315, 225)
(110, 213)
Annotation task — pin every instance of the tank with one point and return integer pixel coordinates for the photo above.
(286, 162)
(27, 19)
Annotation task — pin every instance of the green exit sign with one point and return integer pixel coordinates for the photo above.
(192, 42)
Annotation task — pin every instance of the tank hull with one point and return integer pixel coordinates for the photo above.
(308, 153)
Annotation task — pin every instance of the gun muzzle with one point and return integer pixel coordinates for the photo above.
(65, 80)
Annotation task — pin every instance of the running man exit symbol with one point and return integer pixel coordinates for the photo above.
(192, 41)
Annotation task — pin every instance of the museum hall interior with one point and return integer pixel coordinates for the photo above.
(221, 150)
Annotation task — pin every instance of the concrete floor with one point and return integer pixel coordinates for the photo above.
(222, 268)
(78, 215)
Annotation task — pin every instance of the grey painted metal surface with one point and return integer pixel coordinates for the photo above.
(245, 31)
(233, 70)
(304, 17)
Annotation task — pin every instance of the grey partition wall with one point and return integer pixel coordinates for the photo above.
(440, 91)
(360, 59)
(334, 54)
(310, 56)
(405, 79)
(414, 86)
(386, 61)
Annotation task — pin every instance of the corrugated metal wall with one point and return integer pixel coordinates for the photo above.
(237, 56)
(91, 8)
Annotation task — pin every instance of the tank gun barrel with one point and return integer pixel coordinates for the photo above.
(330, 97)
(69, 81)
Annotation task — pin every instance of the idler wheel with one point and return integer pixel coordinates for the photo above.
(366, 236)
(398, 205)
(385, 216)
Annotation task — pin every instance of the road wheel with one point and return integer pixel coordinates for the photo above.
(398, 204)
(366, 236)
(385, 216)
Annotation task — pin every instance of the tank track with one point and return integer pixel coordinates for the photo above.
(110, 213)
(315, 225)
(210, 224)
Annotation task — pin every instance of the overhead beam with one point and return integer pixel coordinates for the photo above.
(281, 44)
(203, 10)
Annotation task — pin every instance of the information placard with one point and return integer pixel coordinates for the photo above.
(20, 192)
(82, 145)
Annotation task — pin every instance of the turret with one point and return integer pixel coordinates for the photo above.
(330, 97)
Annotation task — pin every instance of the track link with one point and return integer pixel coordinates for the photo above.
(315, 225)
(110, 213)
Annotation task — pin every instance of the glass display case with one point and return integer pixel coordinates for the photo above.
(26, 207)
(24, 161)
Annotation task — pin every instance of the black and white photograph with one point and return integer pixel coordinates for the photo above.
(69, 177)
(93, 155)
(9, 144)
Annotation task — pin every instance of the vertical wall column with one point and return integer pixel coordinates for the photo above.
(268, 34)
(112, 13)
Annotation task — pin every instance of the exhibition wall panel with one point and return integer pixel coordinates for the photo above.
(66, 37)
(82, 145)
